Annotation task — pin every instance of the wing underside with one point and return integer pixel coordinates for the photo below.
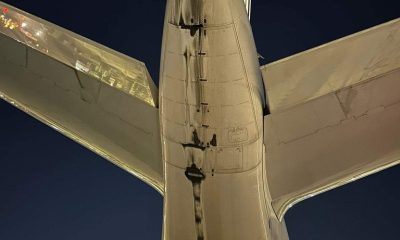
(335, 113)
(100, 98)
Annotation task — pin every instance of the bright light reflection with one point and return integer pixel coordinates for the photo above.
(126, 74)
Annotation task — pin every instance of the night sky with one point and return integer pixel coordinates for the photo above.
(53, 188)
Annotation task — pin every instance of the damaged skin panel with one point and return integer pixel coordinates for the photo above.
(187, 12)
(196, 176)
(208, 166)
(195, 152)
(187, 16)
(189, 19)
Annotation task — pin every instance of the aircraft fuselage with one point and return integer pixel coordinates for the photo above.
(211, 111)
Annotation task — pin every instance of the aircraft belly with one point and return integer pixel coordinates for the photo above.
(211, 103)
(228, 206)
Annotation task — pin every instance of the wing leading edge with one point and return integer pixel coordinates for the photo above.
(334, 115)
(101, 99)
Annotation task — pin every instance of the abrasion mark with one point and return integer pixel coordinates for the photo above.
(346, 98)
(192, 28)
(196, 176)
(190, 20)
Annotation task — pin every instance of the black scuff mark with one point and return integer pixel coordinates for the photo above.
(196, 139)
(196, 142)
(213, 141)
(190, 21)
(191, 145)
(181, 21)
(192, 28)
(196, 176)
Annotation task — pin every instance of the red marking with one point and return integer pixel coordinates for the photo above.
(5, 10)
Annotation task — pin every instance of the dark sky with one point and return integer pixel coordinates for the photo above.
(52, 188)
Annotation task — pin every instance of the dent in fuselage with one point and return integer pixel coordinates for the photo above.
(211, 99)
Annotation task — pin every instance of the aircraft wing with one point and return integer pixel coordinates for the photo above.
(100, 98)
(335, 114)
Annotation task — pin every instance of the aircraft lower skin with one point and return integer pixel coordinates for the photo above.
(231, 145)
(211, 111)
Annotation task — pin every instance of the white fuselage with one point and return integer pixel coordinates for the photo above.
(211, 111)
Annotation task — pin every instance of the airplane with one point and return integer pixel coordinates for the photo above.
(86, 64)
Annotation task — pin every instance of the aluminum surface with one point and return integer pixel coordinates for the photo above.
(332, 66)
(228, 172)
(115, 69)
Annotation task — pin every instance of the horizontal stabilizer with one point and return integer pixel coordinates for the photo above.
(97, 97)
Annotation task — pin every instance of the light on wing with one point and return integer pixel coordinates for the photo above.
(93, 95)
(335, 113)
(104, 64)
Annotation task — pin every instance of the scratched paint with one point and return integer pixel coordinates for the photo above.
(211, 123)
